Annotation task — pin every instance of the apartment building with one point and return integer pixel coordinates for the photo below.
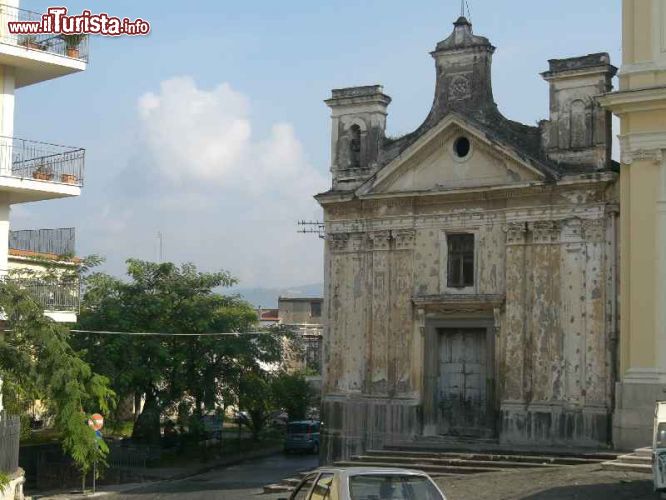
(31, 170)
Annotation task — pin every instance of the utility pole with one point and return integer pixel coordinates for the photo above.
(160, 250)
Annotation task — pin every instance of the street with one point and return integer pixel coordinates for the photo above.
(236, 482)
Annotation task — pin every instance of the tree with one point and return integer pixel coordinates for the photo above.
(293, 393)
(37, 361)
(255, 398)
(168, 369)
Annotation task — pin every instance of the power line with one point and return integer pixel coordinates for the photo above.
(164, 334)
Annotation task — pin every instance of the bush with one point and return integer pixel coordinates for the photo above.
(293, 393)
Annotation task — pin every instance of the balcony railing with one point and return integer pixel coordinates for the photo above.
(52, 295)
(60, 241)
(75, 47)
(41, 161)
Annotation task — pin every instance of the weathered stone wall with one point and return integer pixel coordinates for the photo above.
(298, 311)
(554, 266)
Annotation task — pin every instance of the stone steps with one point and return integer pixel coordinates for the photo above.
(639, 461)
(438, 470)
(516, 460)
(286, 485)
(489, 447)
(407, 462)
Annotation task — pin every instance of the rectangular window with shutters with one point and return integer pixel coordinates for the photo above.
(460, 265)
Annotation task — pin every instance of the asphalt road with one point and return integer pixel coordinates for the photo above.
(236, 482)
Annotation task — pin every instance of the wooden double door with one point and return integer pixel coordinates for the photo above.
(465, 384)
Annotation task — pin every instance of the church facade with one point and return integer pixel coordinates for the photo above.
(471, 266)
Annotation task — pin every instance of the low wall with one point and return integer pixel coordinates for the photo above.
(14, 491)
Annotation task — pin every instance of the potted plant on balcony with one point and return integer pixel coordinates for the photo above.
(72, 43)
(68, 178)
(31, 42)
(43, 173)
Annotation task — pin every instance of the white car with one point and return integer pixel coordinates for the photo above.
(366, 483)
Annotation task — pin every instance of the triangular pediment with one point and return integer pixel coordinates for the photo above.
(432, 163)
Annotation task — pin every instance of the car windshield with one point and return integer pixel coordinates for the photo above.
(298, 428)
(393, 487)
(661, 435)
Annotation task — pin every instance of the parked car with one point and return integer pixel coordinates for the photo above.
(365, 483)
(302, 435)
(241, 417)
(279, 418)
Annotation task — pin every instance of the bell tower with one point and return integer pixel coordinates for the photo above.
(641, 104)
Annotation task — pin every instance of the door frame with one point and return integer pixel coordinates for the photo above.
(431, 368)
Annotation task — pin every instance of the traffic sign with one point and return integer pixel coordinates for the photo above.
(96, 422)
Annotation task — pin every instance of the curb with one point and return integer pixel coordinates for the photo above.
(275, 450)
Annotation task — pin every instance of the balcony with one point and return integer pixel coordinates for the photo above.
(39, 57)
(33, 171)
(51, 242)
(60, 298)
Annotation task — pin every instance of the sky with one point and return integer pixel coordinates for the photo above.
(212, 130)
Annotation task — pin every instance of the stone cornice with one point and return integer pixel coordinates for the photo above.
(627, 101)
(644, 146)
(456, 301)
(519, 190)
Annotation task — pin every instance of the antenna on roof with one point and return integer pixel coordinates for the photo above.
(313, 227)
(462, 8)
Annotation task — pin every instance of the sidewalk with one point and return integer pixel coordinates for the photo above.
(160, 474)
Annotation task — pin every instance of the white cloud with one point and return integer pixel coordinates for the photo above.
(194, 135)
(221, 197)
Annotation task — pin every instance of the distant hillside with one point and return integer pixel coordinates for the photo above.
(268, 297)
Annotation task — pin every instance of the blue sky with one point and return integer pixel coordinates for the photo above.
(212, 129)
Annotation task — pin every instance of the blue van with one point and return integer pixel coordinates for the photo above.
(302, 435)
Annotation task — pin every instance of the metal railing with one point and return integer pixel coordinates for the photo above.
(41, 161)
(74, 46)
(10, 434)
(52, 295)
(61, 241)
(312, 353)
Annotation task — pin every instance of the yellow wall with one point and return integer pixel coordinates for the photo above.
(637, 215)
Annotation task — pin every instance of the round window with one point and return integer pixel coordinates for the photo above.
(462, 147)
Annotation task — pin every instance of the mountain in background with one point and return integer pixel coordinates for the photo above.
(268, 297)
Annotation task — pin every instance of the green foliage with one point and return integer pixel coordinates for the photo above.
(4, 481)
(255, 398)
(37, 361)
(169, 370)
(293, 393)
(74, 40)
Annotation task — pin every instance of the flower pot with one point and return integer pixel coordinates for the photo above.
(33, 45)
(68, 178)
(42, 176)
(73, 52)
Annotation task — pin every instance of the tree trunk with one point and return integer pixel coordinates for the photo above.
(147, 426)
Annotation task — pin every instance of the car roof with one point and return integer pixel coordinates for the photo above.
(361, 471)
